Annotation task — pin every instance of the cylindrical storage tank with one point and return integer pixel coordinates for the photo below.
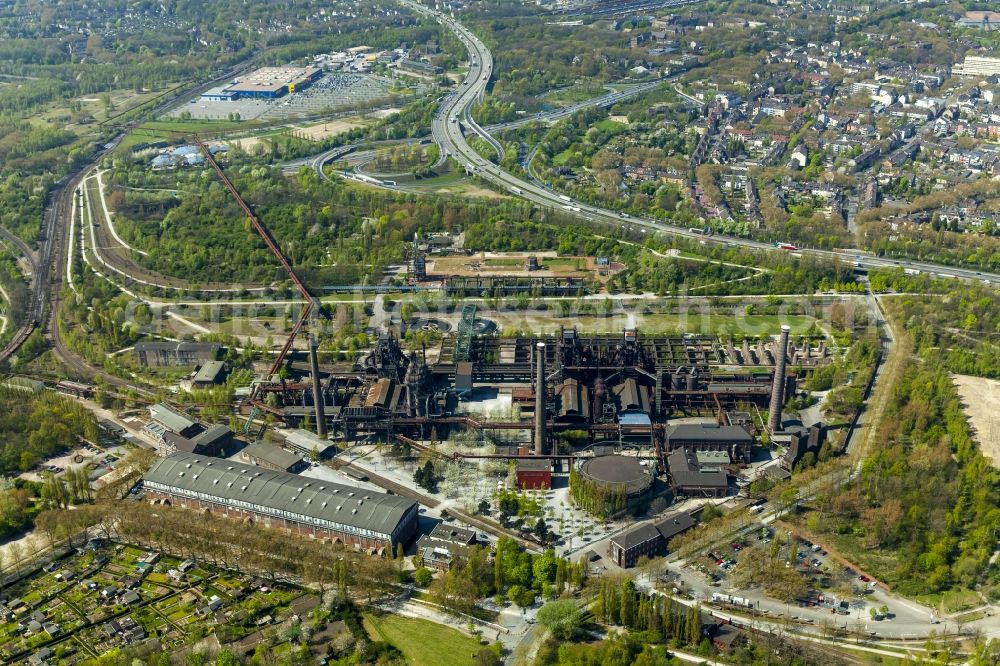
(624, 482)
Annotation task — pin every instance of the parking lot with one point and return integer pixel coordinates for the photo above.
(831, 586)
(97, 460)
(332, 92)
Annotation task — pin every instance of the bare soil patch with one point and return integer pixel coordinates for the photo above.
(328, 129)
(980, 397)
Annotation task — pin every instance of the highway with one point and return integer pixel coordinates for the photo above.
(317, 162)
(626, 7)
(455, 114)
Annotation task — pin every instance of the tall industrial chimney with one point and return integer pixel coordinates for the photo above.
(540, 400)
(318, 399)
(778, 385)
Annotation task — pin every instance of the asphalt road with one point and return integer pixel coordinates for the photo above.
(455, 114)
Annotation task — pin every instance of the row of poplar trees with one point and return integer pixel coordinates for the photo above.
(619, 602)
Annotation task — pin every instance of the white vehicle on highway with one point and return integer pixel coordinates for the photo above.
(564, 197)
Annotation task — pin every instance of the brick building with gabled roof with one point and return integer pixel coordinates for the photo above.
(306, 507)
(647, 539)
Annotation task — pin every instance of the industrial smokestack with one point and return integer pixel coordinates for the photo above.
(318, 399)
(778, 385)
(540, 400)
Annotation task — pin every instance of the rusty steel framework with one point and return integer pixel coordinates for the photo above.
(272, 245)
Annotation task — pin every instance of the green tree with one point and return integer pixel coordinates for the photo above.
(226, 658)
(562, 618)
(693, 624)
(514, 593)
(423, 576)
(544, 566)
(627, 615)
(560, 582)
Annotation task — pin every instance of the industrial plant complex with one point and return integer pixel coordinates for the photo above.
(627, 418)
(621, 391)
(358, 333)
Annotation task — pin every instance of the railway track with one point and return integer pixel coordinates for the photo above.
(48, 274)
(131, 274)
(431, 502)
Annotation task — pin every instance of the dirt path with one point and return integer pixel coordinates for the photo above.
(107, 215)
(979, 398)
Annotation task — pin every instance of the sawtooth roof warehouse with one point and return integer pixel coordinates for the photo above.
(308, 507)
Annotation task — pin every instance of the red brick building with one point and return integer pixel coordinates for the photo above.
(534, 473)
(647, 539)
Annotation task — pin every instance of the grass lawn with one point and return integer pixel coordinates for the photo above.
(952, 601)
(446, 176)
(422, 643)
(195, 125)
(608, 125)
(561, 158)
(574, 95)
(971, 617)
(572, 262)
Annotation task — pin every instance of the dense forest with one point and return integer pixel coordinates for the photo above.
(569, 53)
(33, 427)
(924, 510)
(957, 328)
(99, 319)
(922, 514)
(37, 426)
(15, 288)
(338, 234)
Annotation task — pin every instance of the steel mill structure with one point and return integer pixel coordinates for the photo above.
(616, 391)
